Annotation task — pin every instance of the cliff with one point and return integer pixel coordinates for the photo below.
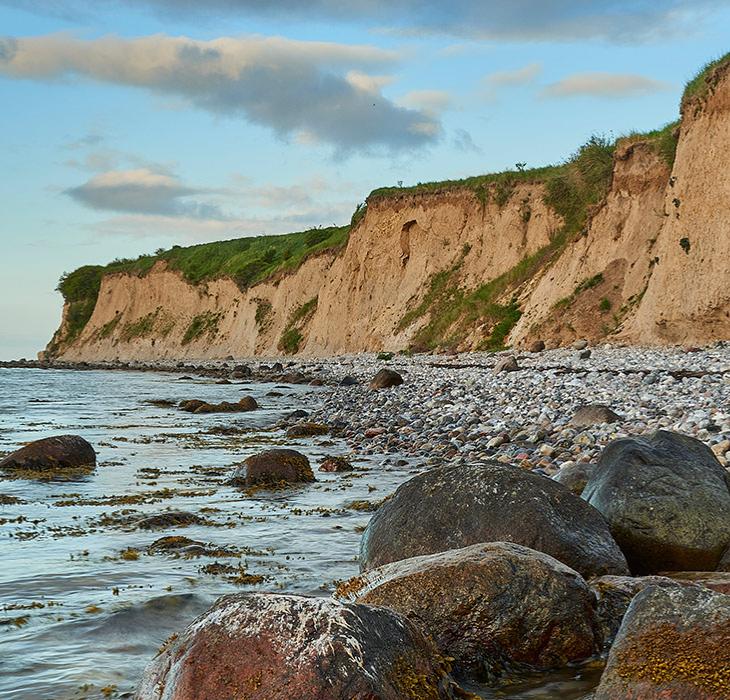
(628, 241)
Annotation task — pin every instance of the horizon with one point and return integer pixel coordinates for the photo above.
(177, 130)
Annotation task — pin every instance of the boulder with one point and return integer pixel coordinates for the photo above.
(247, 403)
(51, 456)
(614, 595)
(385, 379)
(167, 519)
(284, 647)
(718, 581)
(347, 380)
(580, 344)
(575, 475)
(537, 346)
(673, 644)
(273, 468)
(506, 364)
(488, 606)
(456, 506)
(335, 464)
(593, 414)
(241, 372)
(307, 430)
(191, 405)
(667, 502)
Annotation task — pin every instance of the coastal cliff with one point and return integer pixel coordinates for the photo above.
(625, 241)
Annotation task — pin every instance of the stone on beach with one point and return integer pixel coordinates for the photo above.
(455, 506)
(273, 468)
(286, 647)
(667, 502)
(506, 364)
(575, 475)
(52, 455)
(673, 644)
(307, 430)
(385, 379)
(594, 414)
(488, 605)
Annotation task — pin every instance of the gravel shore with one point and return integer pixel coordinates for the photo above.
(459, 409)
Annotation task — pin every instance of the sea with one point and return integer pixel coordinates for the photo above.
(84, 602)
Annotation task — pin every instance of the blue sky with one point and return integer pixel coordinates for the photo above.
(129, 126)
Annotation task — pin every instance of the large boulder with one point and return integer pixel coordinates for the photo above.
(674, 644)
(385, 379)
(488, 606)
(52, 456)
(283, 647)
(614, 595)
(273, 468)
(456, 506)
(667, 502)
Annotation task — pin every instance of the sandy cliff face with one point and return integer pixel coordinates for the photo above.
(688, 295)
(652, 265)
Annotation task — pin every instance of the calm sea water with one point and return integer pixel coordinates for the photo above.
(77, 619)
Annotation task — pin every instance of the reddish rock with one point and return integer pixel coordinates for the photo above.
(335, 464)
(273, 468)
(57, 454)
(489, 605)
(374, 432)
(307, 430)
(718, 581)
(281, 647)
(614, 595)
(674, 644)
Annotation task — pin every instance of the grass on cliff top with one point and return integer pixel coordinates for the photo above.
(697, 87)
(663, 141)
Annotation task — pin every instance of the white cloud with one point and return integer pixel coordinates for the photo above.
(292, 87)
(430, 101)
(609, 85)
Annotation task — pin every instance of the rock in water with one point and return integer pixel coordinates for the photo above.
(385, 379)
(283, 647)
(456, 506)
(489, 605)
(273, 468)
(307, 430)
(667, 502)
(594, 414)
(52, 455)
(674, 644)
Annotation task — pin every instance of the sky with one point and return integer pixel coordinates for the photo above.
(132, 125)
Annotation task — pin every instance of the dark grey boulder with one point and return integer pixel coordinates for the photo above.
(667, 502)
(506, 364)
(456, 506)
(673, 644)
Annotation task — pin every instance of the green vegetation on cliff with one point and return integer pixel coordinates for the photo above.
(697, 87)
(572, 190)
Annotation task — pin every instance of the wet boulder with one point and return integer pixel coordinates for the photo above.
(191, 405)
(385, 379)
(335, 464)
(307, 430)
(456, 506)
(673, 644)
(488, 606)
(168, 519)
(667, 502)
(594, 414)
(281, 647)
(247, 403)
(614, 595)
(52, 456)
(276, 467)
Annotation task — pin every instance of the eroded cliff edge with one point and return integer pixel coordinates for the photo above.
(627, 241)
